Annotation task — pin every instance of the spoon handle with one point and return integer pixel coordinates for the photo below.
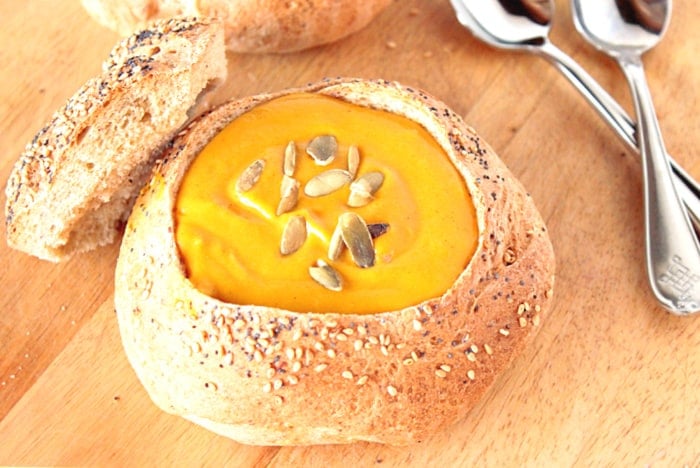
(617, 118)
(673, 252)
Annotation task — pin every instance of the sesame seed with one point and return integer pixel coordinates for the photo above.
(277, 384)
(361, 330)
(270, 372)
(391, 390)
(279, 400)
(258, 356)
(289, 352)
(522, 321)
(489, 349)
(320, 367)
(384, 350)
(401, 346)
(538, 308)
(446, 368)
(296, 366)
(521, 309)
(474, 348)
(373, 340)
(292, 380)
(267, 388)
(536, 320)
(441, 373)
(264, 343)
(504, 332)
(319, 346)
(348, 331)
(228, 359)
(238, 324)
(417, 325)
(308, 356)
(347, 375)
(298, 353)
(471, 374)
(407, 362)
(332, 324)
(362, 380)
(331, 353)
(471, 357)
(341, 337)
(357, 345)
(414, 356)
(296, 335)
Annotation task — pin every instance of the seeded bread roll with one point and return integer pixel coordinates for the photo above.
(251, 25)
(73, 186)
(267, 376)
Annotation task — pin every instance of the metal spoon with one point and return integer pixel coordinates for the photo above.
(524, 25)
(617, 28)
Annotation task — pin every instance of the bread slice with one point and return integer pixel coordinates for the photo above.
(265, 376)
(75, 183)
(250, 25)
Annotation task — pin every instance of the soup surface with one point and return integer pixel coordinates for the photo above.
(231, 218)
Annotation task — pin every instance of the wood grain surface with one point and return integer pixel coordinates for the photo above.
(611, 380)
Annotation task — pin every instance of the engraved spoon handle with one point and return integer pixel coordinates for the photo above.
(673, 252)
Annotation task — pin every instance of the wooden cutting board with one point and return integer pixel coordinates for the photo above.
(611, 379)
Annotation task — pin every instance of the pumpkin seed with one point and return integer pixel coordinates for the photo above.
(294, 235)
(322, 149)
(358, 239)
(362, 189)
(250, 176)
(326, 276)
(357, 199)
(377, 229)
(335, 245)
(369, 182)
(289, 195)
(353, 161)
(290, 159)
(326, 182)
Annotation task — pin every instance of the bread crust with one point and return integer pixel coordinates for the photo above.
(251, 25)
(73, 186)
(266, 376)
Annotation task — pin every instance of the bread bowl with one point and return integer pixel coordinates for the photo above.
(265, 375)
(251, 25)
(261, 373)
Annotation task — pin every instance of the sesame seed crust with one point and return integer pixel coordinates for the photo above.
(394, 377)
(73, 186)
(250, 25)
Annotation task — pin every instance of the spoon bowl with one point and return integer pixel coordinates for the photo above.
(621, 27)
(509, 24)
